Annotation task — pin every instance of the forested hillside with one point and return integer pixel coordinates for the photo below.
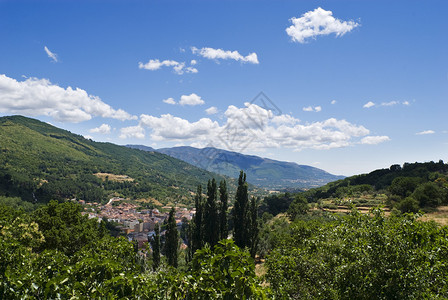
(39, 162)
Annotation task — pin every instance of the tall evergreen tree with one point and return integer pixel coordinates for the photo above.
(197, 224)
(211, 218)
(223, 206)
(240, 219)
(172, 240)
(155, 243)
(253, 228)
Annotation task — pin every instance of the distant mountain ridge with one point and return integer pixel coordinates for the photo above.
(260, 171)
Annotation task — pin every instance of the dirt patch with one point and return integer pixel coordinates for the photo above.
(113, 177)
(440, 216)
(150, 200)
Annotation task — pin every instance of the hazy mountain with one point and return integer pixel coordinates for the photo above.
(260, 171)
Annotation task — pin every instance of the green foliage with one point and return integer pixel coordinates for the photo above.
(241, 210)
(108, 268)
(155, 243)
(64, 228)
(223, 207)
(408, 205)
(361, 257)
(298, 207)
(172, 240)
(226, 272)
(211, 217)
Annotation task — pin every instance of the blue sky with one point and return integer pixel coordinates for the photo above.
(352, 85)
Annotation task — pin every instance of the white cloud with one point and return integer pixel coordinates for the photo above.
(318, 22)
(333, 102)
(391, 103)
(406, 103)
(211, 53)
(168, 127)
(169, 101)
(193, 62)
(369, 104)
(257, 128)
(39, 97)
(211, 110)
(191, 99)
(374, 140)
(51, 55)
(103, 129)
(310, 108)
(178, 67)
(426, 132)
(132, 132)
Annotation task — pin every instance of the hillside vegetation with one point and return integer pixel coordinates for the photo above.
(39, 162)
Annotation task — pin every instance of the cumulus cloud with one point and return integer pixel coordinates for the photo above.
(51, 55)
(103, 129)
(426, 132)
(39, 97)
(211, 53)
(193, 62)
(191, 99)
(178, 67)
(333, 102)
(211, 110)
(318, 22)
(310, 108)
(132, 132)
(169, 101)
(257, 128)
(178, 129)
(374, 140)
(369, 104)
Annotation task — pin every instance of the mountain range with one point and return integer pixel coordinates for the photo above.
(262, 172)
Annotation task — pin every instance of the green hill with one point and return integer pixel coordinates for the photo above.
(39, 162)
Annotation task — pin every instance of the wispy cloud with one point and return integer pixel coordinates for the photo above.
(169, 101)
(190, 100)
(178, 67)
(51, 55)
(310, 108)
(425, 132)
(216, 54)
(318, 22)
(369, 104)
(374, 140)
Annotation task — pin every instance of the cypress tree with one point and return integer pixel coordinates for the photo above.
(155, 243)
(253, 228)
(211, 218)
(223, 206)
(197, 224)
(172, 240)
(241, 213)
